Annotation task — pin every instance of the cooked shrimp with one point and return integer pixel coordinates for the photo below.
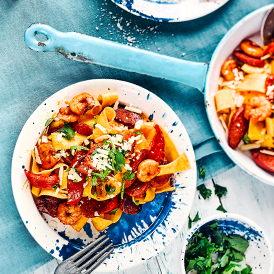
(67, 115)
(227, 69)
(147, 170)
(252, 49)
(81, 103)
(46, 153)
(69, 214)
(258, 108)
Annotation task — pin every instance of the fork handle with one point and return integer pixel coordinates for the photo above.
(80, 47)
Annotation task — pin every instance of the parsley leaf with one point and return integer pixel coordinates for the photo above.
(138, 132)
(95, 121)
(103, 174)
(55, 186)
(48, 122)
(246, 139)
(129, 175)
(94, 181)
(237, 242)
(201, 172)
(205, 192)
(137, 202)
(119, 161)
(109, 189)
(78, 147)
(196, 219)
(113, 211)
(221, 208)
(67, 130)
(95, 193)
(220, 191)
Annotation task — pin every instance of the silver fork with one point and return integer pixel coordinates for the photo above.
(86, 260)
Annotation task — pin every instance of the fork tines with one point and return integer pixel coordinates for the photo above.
(87, 259)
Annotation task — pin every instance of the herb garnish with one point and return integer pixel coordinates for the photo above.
(67, 130)
(78, 147)
(55, 187)
(246, 139)
(129, 175)
(109, 189)
(113, 211)
(196, 219)
(48, 122)
(138, 132)
(103, 174)
(95, 121)
(137, 202)
(201, 172)
(205, 192)
(228, 249)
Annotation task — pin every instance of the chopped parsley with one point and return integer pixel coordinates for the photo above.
(201, 172)
(67, 130)
(103, 174)
(48, 122)
(138, 132)
(246, 139)
(109, 189)
(94, 181)
(95, 193)
(55, 187)
(220, 191)
(113, 211)
(78, 147)
(204, 192)
(222, 254)
(196, 219)
(137, 202)
(95, 121)
(129, 175)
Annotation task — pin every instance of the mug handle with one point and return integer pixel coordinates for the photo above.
(81, 47)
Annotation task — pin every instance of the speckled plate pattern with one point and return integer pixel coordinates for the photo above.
(170, 10)
(259, 254)
(136, 237)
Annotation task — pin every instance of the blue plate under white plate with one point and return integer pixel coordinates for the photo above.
(136, 237)
(170, 10)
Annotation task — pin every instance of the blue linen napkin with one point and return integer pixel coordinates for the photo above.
(27, 78)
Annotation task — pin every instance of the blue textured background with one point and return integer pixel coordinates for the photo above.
(27, 78)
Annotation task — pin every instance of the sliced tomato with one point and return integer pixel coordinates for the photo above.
(42, 181)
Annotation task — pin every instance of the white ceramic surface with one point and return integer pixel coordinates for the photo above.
(143, 242)
(170, 10)
(259, 254)
(248, 26)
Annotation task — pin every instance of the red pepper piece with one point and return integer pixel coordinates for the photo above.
(90, 206)
(112, 204)
(42, 181)
(75, 190)
(249, 60)
(263, 160)
(269, 50)
(269, 82)
(157, 144)
(79, 156)
(82, 129)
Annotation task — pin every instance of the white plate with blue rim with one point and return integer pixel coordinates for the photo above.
(170, 10)
(136, 237)
(259, 254)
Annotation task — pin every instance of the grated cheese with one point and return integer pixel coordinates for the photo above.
(250, 146)
(269, 90)
(265, 57)
(86, 142)
(44, 139)
(116, 105)
(133, 109)
(268, 152)
(101, 128)
(138, 124)
(60, 174)
(37, 157)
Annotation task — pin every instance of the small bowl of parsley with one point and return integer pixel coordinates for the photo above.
(227, 244)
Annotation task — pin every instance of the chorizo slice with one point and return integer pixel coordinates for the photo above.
(249, 60)
(137, 189)
(126, 117)
(263, 160)
(91, 207)
(128, 206)
(82, 129)
(159, 181)
(237, 128)
(48, 204)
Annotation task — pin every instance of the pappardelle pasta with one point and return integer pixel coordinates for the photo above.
(99, 159)
(244, 101)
